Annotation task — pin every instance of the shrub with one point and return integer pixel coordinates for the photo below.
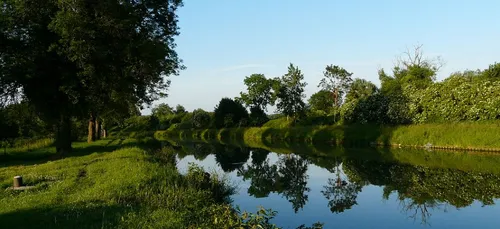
(229, 113)
(201, 119)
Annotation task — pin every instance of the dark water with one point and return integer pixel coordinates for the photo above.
(358, 188)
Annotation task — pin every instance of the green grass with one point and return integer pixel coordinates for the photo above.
(46, 152)
(115, 184)
(471, 136)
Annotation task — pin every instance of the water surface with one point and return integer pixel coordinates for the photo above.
(357, 188)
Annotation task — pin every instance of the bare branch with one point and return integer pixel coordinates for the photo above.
(415, 57)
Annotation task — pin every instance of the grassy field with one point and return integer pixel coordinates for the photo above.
(470, 136)
(114, 184)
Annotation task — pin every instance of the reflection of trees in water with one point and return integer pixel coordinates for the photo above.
(262, 175)
(293, 178)
(202, 150)
(421, 190)
(231, 158)
(259, 155)
(340, 191)
(341, 195)
(422, 211)
(287, 177)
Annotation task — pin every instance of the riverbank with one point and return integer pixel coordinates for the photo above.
(115, 183)
(459, 136)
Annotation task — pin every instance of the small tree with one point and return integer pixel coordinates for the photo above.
(336, 80)
(321, 101)
(291, 92)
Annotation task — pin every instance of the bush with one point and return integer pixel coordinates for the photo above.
(367, 110)
(229, 113)
(456, 99)
(201, 119)
(257, 116)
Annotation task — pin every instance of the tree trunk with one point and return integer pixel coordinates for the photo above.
(104, 133)
(97, 129)
(91, 134)
(63, 136)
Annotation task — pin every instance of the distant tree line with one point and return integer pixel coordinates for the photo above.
(410, 95)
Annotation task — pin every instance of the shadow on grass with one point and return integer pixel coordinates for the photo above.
(48, 154)
(66, 216)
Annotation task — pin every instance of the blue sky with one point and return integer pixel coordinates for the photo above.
(223, 41)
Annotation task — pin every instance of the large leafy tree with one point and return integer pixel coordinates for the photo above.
(291, 92)
(73, 57)
(321, 101)
(259, 92)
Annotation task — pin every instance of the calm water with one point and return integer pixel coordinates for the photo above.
(358, 188)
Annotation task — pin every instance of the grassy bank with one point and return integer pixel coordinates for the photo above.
(115, 184)
(459, 136)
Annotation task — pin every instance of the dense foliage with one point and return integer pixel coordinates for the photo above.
(230, 113)
(201, 119)
(322, 101)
